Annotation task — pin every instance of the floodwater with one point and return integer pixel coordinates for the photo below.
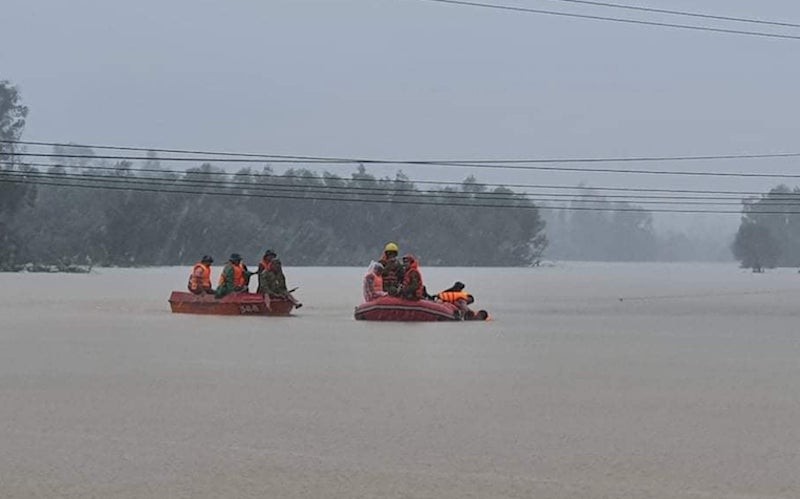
(592, 381)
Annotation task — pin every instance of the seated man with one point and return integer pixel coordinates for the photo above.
(234, 278)
(392, 273)
(272, 283)
(373, 282)
(265, 265)
(412, 287)
(200, 278)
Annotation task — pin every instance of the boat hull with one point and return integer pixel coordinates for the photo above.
(182, 302)
(389, 308)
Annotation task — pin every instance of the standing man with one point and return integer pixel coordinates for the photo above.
(272, 281)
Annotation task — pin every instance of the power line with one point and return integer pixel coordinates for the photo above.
(445, 196)
(488, 164)
(615, 19)
(411, 181)
(261, 187)
(388, 191)
(217, 156)
(556, 187)
(682, 13)
(135, 188)
(304, 198)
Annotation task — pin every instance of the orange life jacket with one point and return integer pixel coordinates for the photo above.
(373, 286)
(238, 276)
(239, 280)
(265, 265)
(418, 293)
(453, 296)
(200, 278)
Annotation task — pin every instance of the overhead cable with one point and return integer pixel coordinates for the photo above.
(396, 183)
(484, 165)
(479, 205)
(615, 19)
(681, 13)
(278, 183)
(216, 156)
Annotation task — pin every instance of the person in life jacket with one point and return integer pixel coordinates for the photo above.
(200, 278)
(412, 287)
(392, 273)
(265, 265)
(461, 299)
(234, 277)
(272, 281)
(373, 282)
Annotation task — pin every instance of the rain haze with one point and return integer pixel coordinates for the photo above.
(410, 79)
(621, 356)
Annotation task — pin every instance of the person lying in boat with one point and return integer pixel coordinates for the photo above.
(234, 278)
(392, 273)
(272, 281)
(412, 287)
(200, 278)
(461, 299)
(373, 282)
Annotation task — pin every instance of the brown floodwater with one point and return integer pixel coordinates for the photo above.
(592, 381)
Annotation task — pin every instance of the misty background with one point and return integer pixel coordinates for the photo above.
(408, 79)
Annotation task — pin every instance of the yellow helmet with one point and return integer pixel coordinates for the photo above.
(391, 247)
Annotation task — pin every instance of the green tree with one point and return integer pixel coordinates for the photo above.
(755, 247)
(12, 193)
(775, 214)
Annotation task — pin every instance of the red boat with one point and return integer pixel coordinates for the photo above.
(391, 308)
(232, 304)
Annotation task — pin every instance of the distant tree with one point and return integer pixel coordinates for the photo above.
(12, 195)
(12, 117)
(590, 231)
(755, 247)
(770, 225)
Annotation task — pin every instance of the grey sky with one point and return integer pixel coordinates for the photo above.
(407, 79)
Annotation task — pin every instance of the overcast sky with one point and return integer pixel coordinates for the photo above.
(408, 79)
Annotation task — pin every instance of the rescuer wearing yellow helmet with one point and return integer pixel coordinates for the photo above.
(392, 268)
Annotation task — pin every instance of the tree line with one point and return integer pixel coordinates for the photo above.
(204, 210)
(148, 215)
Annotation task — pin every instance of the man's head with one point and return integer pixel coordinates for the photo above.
(409, 260)
(391, 250)
(270, 255)
(235, 258)
(207, 260)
